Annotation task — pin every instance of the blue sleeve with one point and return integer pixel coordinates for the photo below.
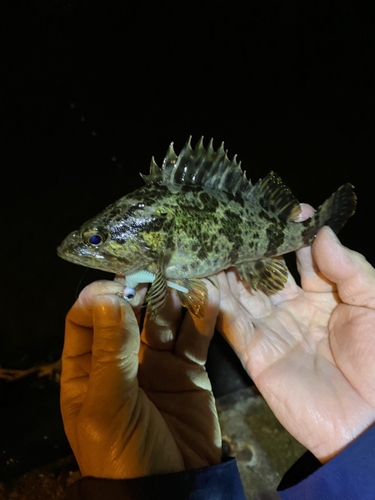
(349, 475)
(218, 482)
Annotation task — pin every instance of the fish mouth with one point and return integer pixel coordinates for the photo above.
(63, 252)
(97, 262)
(71, 256)
(80, 255)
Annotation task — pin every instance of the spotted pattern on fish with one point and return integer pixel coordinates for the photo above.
(198, 215)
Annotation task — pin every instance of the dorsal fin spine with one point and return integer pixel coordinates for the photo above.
(200, 166)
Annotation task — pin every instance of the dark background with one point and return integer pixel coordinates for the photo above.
(89, 91)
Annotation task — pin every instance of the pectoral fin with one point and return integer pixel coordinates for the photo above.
(196, 298)
(267, 275)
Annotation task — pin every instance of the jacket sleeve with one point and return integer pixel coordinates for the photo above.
(349, 475)
(218, 482)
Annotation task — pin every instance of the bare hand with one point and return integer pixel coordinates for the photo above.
(310, 350)
(137, 405)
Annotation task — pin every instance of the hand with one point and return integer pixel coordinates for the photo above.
(137, 405)
(310, 350)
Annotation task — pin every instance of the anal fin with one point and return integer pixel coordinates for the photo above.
(267, 275)
(195, 300)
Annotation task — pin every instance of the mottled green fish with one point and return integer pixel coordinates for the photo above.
(196, 216)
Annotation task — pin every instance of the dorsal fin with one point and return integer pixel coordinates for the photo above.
(200, 166)
(275, 196)
(155, 172)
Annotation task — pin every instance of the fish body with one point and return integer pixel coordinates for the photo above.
(196, 216)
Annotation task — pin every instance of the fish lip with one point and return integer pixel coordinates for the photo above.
(72, 258)
(68, 252)
(60, 252)
(65, 248)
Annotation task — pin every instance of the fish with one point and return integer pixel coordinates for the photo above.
(196, 215)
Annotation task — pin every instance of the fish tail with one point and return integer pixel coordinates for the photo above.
(333, 213)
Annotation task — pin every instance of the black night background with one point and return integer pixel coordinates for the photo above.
(91, 90)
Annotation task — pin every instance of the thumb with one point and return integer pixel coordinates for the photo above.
(115, 347)
(353, 274)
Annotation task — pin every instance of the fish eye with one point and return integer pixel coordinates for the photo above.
(95, 237)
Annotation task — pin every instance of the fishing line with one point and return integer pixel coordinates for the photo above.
(80, 282)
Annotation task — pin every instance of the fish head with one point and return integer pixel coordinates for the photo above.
(118, 239)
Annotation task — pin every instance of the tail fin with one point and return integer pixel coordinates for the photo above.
(333, 213)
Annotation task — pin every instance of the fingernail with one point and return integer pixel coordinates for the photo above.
(107, 310)
(306, 211)
(299, 216)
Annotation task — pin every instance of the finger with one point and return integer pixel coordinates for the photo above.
(290, 291)
(195, 334)
(159, 332)
(352, 343)
(306, 211)
(114, 353)
(76, 356)
(233, 322)
(312, 279)
(137, 301)
(80, 314)
(255, 303)
(355, 277)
